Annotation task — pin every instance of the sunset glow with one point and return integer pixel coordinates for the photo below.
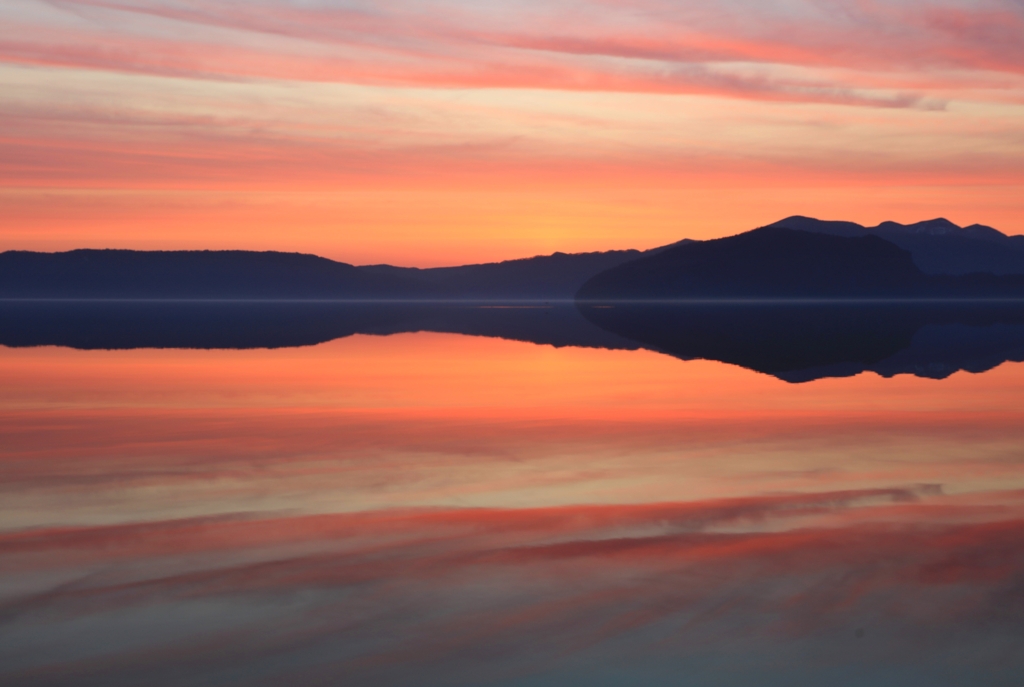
(428, 133)
(735, 403)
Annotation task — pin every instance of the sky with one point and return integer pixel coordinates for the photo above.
(434, 132)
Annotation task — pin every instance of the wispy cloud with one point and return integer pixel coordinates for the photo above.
(591, 46)
(416, 94)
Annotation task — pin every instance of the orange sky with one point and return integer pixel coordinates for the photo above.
(440, 132)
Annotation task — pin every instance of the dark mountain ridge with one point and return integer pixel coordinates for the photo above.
(728, 282)
(112, 274)
(250, 275)
(937, 246)
(546, 277)
(835, 266)
(781, 263)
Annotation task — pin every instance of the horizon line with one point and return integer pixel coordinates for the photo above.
(531, 302)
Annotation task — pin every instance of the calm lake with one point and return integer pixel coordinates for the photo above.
(438, 508)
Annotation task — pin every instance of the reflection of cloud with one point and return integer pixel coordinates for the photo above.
(114, 465)
(381, 597)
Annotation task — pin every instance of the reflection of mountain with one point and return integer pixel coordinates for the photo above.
(211, 324)
(804, 304)
(800, 342)
(791, 341)
(285, 299)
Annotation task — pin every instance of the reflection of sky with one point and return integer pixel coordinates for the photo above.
(380, 509)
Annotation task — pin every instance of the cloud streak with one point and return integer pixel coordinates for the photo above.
(915, 97)
(735, 49)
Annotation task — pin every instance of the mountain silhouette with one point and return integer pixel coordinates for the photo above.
(937, 246)
(548, 277)
(850, 260)
(105, 274)
(782, 263)
(796, 304)
(125, 274)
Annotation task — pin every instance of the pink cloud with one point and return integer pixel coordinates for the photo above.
(649, 48)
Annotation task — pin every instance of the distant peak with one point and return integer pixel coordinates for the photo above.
(938, 226)
(820, 226)
(940, 222)
(796, 220)
(983, 231)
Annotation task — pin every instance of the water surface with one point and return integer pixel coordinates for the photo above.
(432, 508)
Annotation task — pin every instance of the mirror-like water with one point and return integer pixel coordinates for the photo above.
(430, 508)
